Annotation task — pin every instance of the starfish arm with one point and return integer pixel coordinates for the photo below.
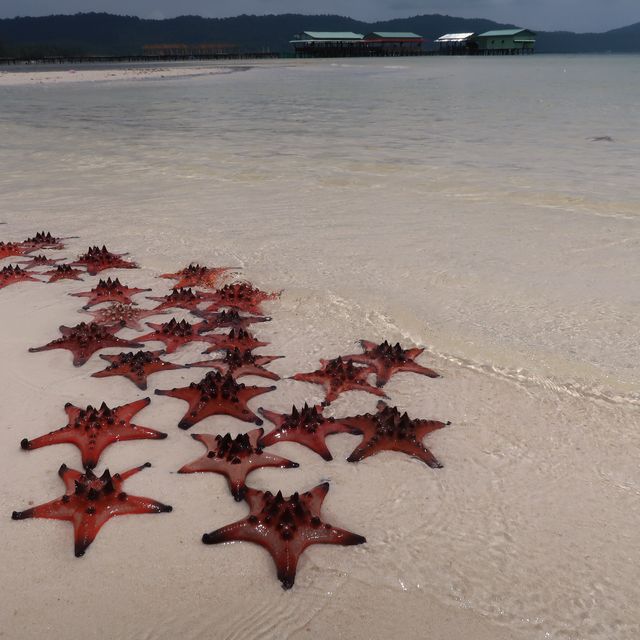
(316, 496)
(136, 432)
(277, 418)
(424, 427)
(362, 451)
(127, 411)
(367, 345)
(327, 534)
(46, 347)
(56, 509)
(85, 530)
(251, 392)
(313, 377)
(201, 465)
(414, 367)
(253, 370)
(121, 477)
(242, 530)
(332, 393)
(130, 505)
(181, 393)
(60, 436)
(69, 477)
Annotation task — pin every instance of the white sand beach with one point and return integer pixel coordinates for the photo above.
(454, 204)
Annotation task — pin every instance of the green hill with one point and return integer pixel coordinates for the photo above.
(106, 34)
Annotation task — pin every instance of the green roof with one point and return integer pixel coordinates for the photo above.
(503, 32)
(333, 35)
(394, 34)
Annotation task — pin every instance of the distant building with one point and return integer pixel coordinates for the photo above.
(456, 44)
(392, 43)
(506, 42)
(339, 44)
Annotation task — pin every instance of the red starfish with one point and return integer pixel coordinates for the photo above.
(235, 339)
(223, 319)
(234, 458)
(90, 501)
(390, 430)
(213, 395)
(196, 276)
(386, 360)
(241, 363)
(175, 334)
(126, 315)
(285, 527)
(64, 272)
(180, 299)
(44, 240)
(11, 275)
(307, 427)
(40, 261)
(12, 249)
(93, 430)
(109, 291)
(85, 339)
(98, 259)
(337, 376)
(135, 366)
(241, 296)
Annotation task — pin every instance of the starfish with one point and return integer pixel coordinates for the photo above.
(241, 296)
(216, 394)
(307, 427)
(44, 240)
(175, 334)
(196, 276)
(390, 430)
(12, 249)
(235, 339)
(109, 291)
(90, 501)
(64, 272)
(241, 363)
(40, 260)
(386, 360)
(126, 315)
(234, 458)
(11, 275)
(223, 319)
(85, 339)
(180, 299)
(337, 376)
(136, 366)
(285, 527)
(93, 430)
(98, 259)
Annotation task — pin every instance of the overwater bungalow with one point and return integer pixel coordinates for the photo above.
(455, 44)
(340, 44)
(506, 42)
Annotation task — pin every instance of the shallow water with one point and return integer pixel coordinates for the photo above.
(465, 205)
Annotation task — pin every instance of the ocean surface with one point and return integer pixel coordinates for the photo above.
(487, 209)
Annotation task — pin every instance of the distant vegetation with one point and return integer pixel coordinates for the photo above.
(106, 34)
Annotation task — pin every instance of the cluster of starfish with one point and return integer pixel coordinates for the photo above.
(225, 313)
(96, 259)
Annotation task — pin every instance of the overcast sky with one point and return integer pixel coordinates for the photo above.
(574, 15)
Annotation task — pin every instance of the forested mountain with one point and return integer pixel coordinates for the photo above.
(104, 34)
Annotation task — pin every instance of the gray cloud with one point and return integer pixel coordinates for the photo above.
(577, 15)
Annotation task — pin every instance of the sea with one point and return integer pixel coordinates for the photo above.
(486, 209)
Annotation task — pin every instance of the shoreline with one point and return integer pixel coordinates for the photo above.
(47, 75)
